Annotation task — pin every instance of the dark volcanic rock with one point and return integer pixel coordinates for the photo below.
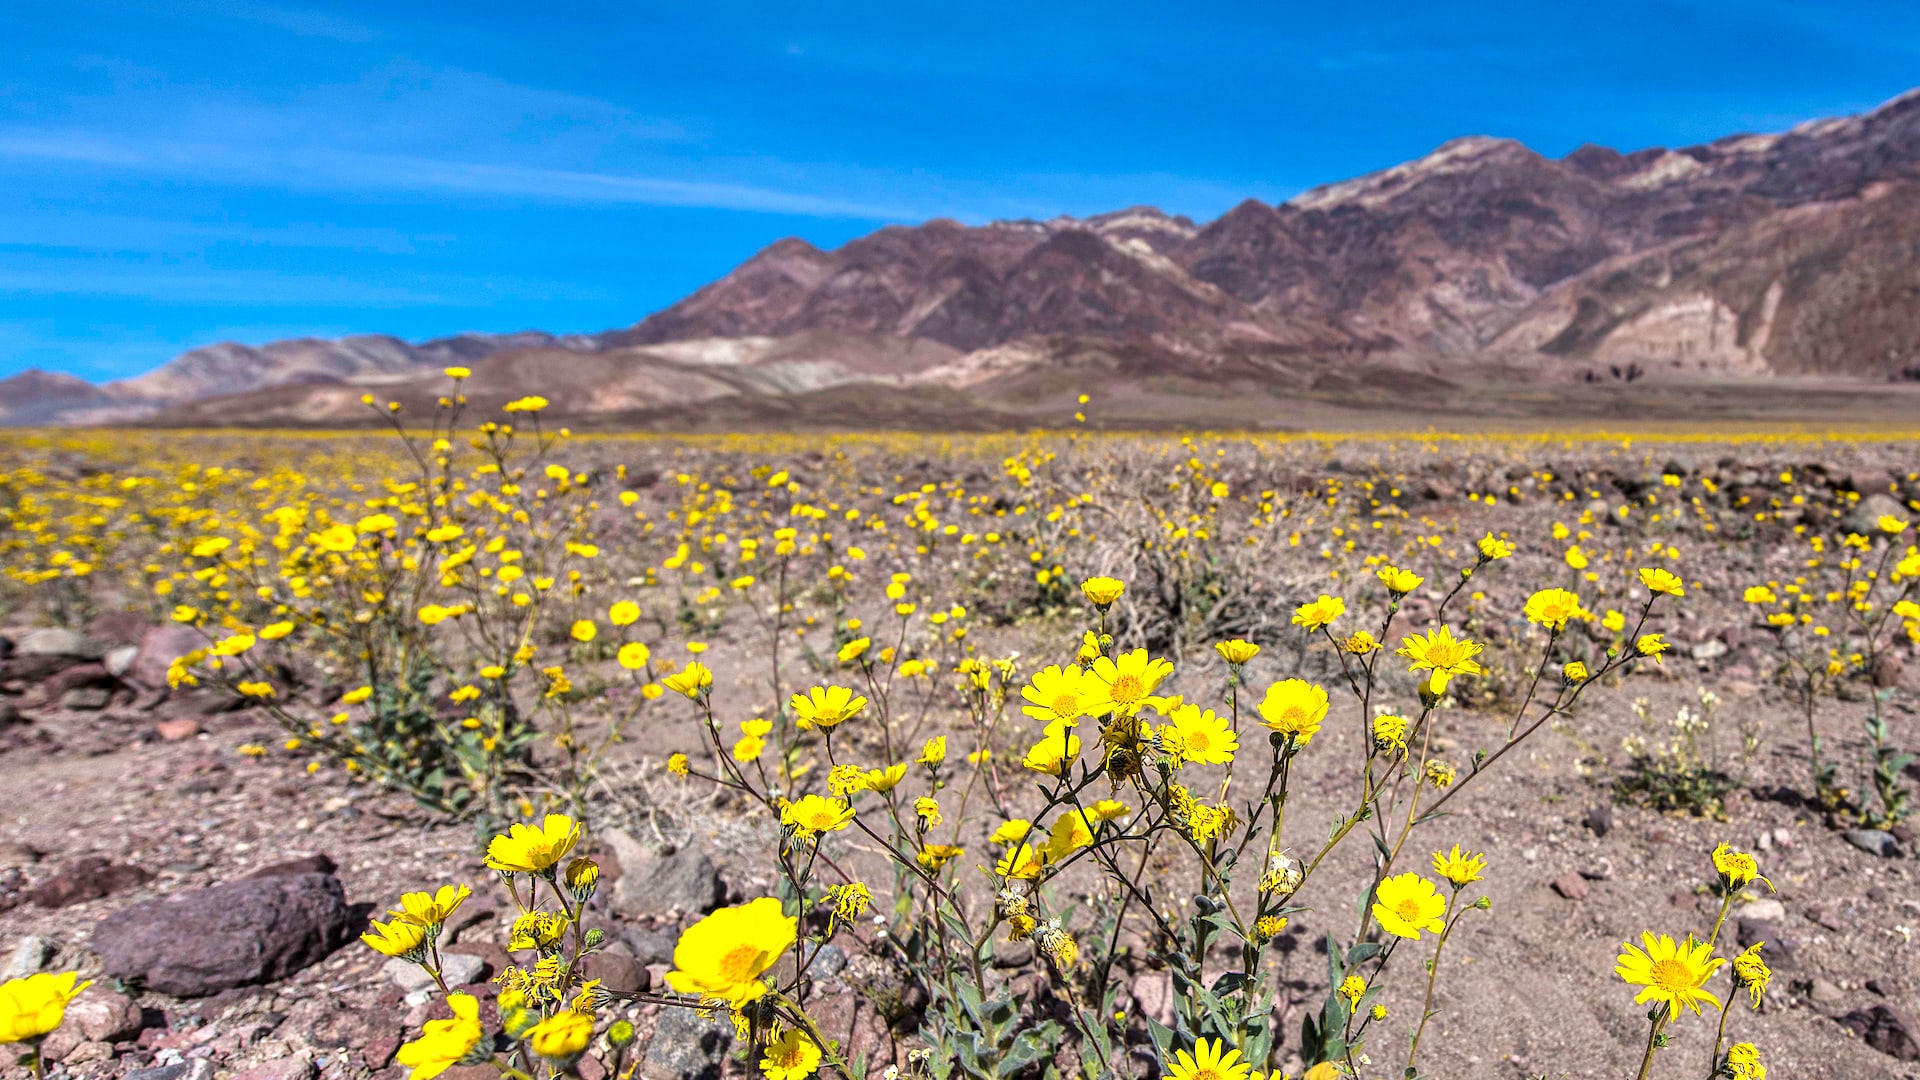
(241, 933)
(1887, 1028)
(89, 878)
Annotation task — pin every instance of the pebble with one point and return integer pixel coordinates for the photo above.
(1874, 842)
(458, 969)
(27, 957)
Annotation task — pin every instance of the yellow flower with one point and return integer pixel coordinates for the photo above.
(1399, 582)
(1613, 621)
(1441, 653)
(562, 1036)
(401, 937)
(1439, 773)
(1237, 651)
(1294, 707)
(584, 630)
(540, 930)
(337, 539)
(1207, 1062)
(1199, 735)
(275, 631)
(1891, 525)
(1406, 904)
(633, 656)
(1751, 973)
(434, 908)
(854, 649)
(527, 850)
(1759, 594)
(1737, 869)
(443, 1043)
(1573, 671)
(1012, 831)
(677, 764)
(1492, 547)
(1101, 592)
(886, 779)
(1672, 974)
(1055, 751)
(1662, 581)
(1360, 643)
(927, 809)
(1353, 988)
(1317, 614)
(1743, 1063)
(32, 1007)
(1059, 694)
(624, 613)
(825, 706)
(1552, 608)
(356, 696)
(1020, 861)
(530, 403)
(1390, 734)
(723, 955)
(1458, 868)
(934, 752)
(815, 814)
(792, 1056)
(693, 680)
(935, 857)
(1121, 685)
(1652, 645)
(255, 689)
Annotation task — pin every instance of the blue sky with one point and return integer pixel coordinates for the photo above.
(176, 172)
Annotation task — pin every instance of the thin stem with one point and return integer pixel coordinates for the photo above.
(1653, 1038)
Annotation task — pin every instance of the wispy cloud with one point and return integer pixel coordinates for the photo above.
(323, 168)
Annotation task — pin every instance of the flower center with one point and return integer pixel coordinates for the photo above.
(1067, 706)
(740, 964)
(1199, 741)
(1126, 689)
(1671, 975)
(1408, 910)
(1208, 1073)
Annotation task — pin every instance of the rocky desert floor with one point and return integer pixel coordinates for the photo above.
(138, 827)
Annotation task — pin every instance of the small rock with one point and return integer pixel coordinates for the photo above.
(1710, 649)
(1826, 993)
(176, 730)
(1599, 819)
(1012, 954)
(653, 884)
(286, 1068)
(305, 864)
(831, 960)
(159, 1072)
(58, 642)
(29, 956)
(624, 974)
(1874, 842)
(1766, 908)
(86, 698)
(119, 660)
(84, 1052)
(159, 648)
(10, 715)
(89, 878)
(1572, 886)
(1887, 1028)
(458, 969)
(1887, 671)
(685, 1047)
(1685, 901)
(1780, 948)
(103, 1015)
(649, 946)
(241, 933)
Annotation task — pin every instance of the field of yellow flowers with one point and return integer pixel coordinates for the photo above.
(1216, 758)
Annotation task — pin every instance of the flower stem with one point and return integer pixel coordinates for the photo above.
(1653, 1039)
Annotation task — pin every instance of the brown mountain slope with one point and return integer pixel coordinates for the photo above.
(1483, 262)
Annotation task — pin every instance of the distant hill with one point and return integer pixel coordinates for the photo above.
(1483, 263)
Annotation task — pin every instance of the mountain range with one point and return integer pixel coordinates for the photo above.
(1480, 271)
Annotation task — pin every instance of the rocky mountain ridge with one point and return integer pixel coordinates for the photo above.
(1792, 254)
